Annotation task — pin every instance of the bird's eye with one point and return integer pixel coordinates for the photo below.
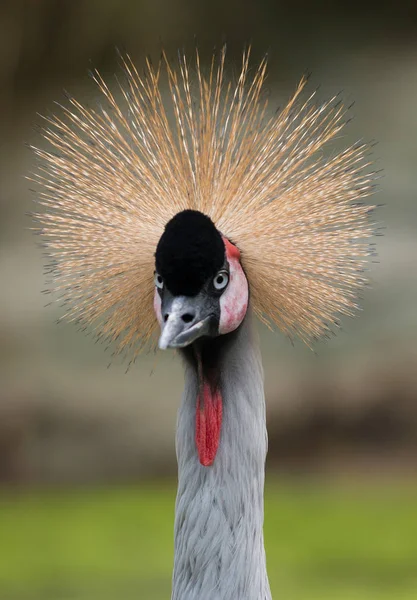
(221, 280)
(159, 282)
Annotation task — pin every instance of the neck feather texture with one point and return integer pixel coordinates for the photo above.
(219, 548)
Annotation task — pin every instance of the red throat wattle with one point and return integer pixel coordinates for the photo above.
(208, 417)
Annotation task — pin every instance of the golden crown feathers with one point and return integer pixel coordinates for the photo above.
(114, 175)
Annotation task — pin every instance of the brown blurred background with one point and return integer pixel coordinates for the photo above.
(348, 409)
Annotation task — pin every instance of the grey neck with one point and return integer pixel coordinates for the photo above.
(219, 548)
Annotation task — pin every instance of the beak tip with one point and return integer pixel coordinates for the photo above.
(163, 343)
(180, 339)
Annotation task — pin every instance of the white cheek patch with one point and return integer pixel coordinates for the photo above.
(234, 300)
(157, 306)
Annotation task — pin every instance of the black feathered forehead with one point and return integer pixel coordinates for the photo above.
(189, 252)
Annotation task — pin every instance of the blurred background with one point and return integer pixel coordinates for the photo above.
(87, 460)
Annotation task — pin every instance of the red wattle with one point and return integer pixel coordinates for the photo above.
(208, 423)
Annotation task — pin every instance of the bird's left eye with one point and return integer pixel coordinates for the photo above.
(159, 282)
(221, 280)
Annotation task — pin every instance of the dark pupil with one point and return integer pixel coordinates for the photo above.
(220, 279)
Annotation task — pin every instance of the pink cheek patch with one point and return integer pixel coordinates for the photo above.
(234, 301)
(157, 306)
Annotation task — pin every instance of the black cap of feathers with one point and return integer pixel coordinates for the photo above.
(189, 252)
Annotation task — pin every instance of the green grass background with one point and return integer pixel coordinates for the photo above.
(323, 542)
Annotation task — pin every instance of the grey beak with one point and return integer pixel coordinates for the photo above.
(182, 324)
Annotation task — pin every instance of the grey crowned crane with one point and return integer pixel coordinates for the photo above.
(184, 205)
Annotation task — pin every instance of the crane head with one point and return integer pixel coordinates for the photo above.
(206, 158)
(200, 286)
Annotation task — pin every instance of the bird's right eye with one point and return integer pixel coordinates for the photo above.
(159, 282)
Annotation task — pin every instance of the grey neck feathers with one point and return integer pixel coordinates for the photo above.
(219, 548)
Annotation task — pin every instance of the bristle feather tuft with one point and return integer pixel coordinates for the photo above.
(114, 175)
